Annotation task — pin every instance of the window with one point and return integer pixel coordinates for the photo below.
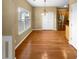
(48, 21)
(24, 22)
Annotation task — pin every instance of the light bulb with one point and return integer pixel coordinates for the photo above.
(65, 5)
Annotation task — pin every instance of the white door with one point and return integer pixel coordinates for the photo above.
(48, 21)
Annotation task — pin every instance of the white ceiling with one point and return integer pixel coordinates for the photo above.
(53, 3)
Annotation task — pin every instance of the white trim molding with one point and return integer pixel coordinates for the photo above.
(7, 47)
(23, 39)
(44, 29)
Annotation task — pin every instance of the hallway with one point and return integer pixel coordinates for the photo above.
(45, 45)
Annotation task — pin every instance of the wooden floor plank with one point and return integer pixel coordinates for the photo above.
(46, 45)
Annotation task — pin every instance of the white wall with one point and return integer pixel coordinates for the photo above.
(73, 18)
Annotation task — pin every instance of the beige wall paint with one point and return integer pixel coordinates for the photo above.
(10, 18)
(67, 32)
(72, 1)
(25, 5)
(6, 18)
(37, 19)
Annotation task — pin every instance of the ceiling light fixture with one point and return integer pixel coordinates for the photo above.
(45, 7)
(65, 6)
(66, 3)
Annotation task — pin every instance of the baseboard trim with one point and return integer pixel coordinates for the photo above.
(22, 40)
(44, 29)
(73, 47)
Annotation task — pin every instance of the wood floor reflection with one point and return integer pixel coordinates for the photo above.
(46, 45)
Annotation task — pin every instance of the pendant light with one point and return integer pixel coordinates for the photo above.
(66, 4)
(45, 7)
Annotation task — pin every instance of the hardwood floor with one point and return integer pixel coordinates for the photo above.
(45, 45)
